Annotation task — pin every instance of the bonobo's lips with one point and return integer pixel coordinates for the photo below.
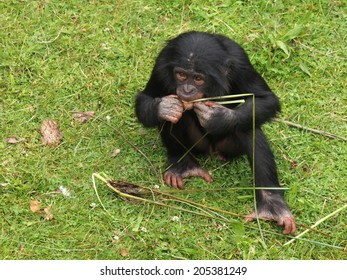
(186, 98)
(189, 97)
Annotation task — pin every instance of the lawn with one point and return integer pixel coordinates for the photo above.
(60, 57)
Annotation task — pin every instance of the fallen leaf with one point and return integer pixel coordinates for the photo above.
(21, 247)
(294, 165)
(35, 206)
(14, 140)
(83, 117)
(306, 168)
(49, 216)
(116, 152)
(124, 252)
(50, 132)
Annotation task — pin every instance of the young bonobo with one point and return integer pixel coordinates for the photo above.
(196, 65)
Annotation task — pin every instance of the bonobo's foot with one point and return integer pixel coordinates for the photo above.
(274, 208)
(176, 173)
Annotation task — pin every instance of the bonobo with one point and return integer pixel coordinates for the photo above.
(198, 65)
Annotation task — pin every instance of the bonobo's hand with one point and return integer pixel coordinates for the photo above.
(215, 118)
(170, 108)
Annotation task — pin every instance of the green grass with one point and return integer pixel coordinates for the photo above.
(63, 56)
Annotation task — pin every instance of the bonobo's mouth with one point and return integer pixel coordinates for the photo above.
(189, 97)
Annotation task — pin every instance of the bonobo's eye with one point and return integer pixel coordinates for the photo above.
(181, 76)
(198, 81)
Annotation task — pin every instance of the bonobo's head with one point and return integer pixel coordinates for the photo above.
(199, 65)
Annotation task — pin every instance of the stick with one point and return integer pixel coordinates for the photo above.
(140, 199)
(321, 132)
(222, 97)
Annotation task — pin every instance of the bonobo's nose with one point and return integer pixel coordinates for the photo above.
(188, 88)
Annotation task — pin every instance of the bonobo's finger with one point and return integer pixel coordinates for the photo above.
(172, 96)
(205, 175)
(173, 180)
(171, 100)
(250, 217)
(173, 119)
(188, 105)
(289, 226)
(201, 107)
(168, 178)
(212, 104)
(179, 182)
(203, 110)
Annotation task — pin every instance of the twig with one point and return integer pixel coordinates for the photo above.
(222, 97)
(316, 224)
(321, 132)
(180, 199)
(141, 199)
(240, 101)
(315, 230)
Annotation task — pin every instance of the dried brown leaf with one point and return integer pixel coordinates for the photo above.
(21, 247)
(294, 164)
(35, 206)
(50, 132)
(124, 252)
(49, 216)
(83, 117)
(14, 140)
(116, 152)
(306, 168)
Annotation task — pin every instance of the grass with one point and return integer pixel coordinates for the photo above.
(63, 56)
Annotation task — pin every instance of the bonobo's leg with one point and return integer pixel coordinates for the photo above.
(186, 168)
(270, 203)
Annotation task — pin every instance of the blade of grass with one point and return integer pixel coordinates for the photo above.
(222, 97)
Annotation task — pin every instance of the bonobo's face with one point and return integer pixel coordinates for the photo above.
(190, 84)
